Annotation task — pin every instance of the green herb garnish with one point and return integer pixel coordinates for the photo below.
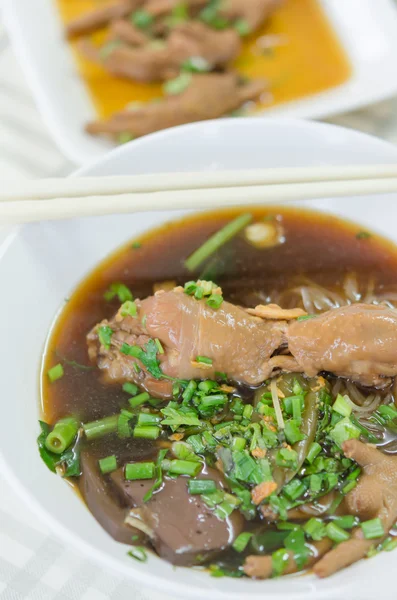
(105, 336)
(120, 290)
(55, 373)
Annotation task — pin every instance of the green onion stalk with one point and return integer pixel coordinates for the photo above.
(62, 436)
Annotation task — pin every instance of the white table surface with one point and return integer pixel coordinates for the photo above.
(34, 563)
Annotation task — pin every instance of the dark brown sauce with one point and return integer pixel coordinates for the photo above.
(318, 246)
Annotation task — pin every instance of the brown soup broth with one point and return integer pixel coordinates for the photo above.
(316, 245)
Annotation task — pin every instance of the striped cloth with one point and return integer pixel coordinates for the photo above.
(34, 563)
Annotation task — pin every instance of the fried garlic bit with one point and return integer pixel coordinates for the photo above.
(275, 312)
(265, 234)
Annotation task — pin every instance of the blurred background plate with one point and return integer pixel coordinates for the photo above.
(366, 29)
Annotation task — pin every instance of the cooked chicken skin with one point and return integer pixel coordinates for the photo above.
(208, 96)
(358, 341)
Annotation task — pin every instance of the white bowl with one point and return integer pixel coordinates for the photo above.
(367, 30)
(40, 265)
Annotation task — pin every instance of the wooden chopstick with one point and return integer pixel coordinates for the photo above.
(83, 187)
(68, 207)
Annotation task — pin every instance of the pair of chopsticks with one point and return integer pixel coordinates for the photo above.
(40, 200)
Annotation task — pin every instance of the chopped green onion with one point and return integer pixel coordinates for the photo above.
(238, 443)
(139, 399)
(280, 559)
(214, 498)
(120, 290)
(372, 529)
(189, 391)
(129, 309)
(199, 293)
(209, 440)
(344, 430)
(201, 486)
(295, 542)
(177, 86)
(209, 15)
(155, 402)
(286, 526)
(316, 481)
(105, 336)
(286, 458)
(124, 137)
(315, 528)
(248, 410)
(183, 451)
(314, 450)
(244, 465)
(97, 429)
(55, 373)
(279, 505)
(341, 406)
(214, 301)
(227, 506)
(123, 424)
(108, 49)
(388, 412)
(190, 288)
(363, 235)
(297, 409)
(184, 467)
(196, 443)
(348, 487)
(354, 474)
(335, 533)
(241, 541)
(145, 418)
(389, 544)
(130, 388)
(63, 434)
(147, 432)
(138, 552)
(142, 19)
(196, 64)
(159, 475)
(297, 388)
(346, 522)
(159, 346)
(207, 385)
(292, 432)
(139, 470)
(180, 11)
(216, 241)
(136, 245)
(204, 360)
(242, 27)
(306, 317)
(294, 489)
(108, 464)
(221, 375)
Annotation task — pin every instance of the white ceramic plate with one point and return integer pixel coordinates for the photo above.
(366, 28)
(41, 264)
